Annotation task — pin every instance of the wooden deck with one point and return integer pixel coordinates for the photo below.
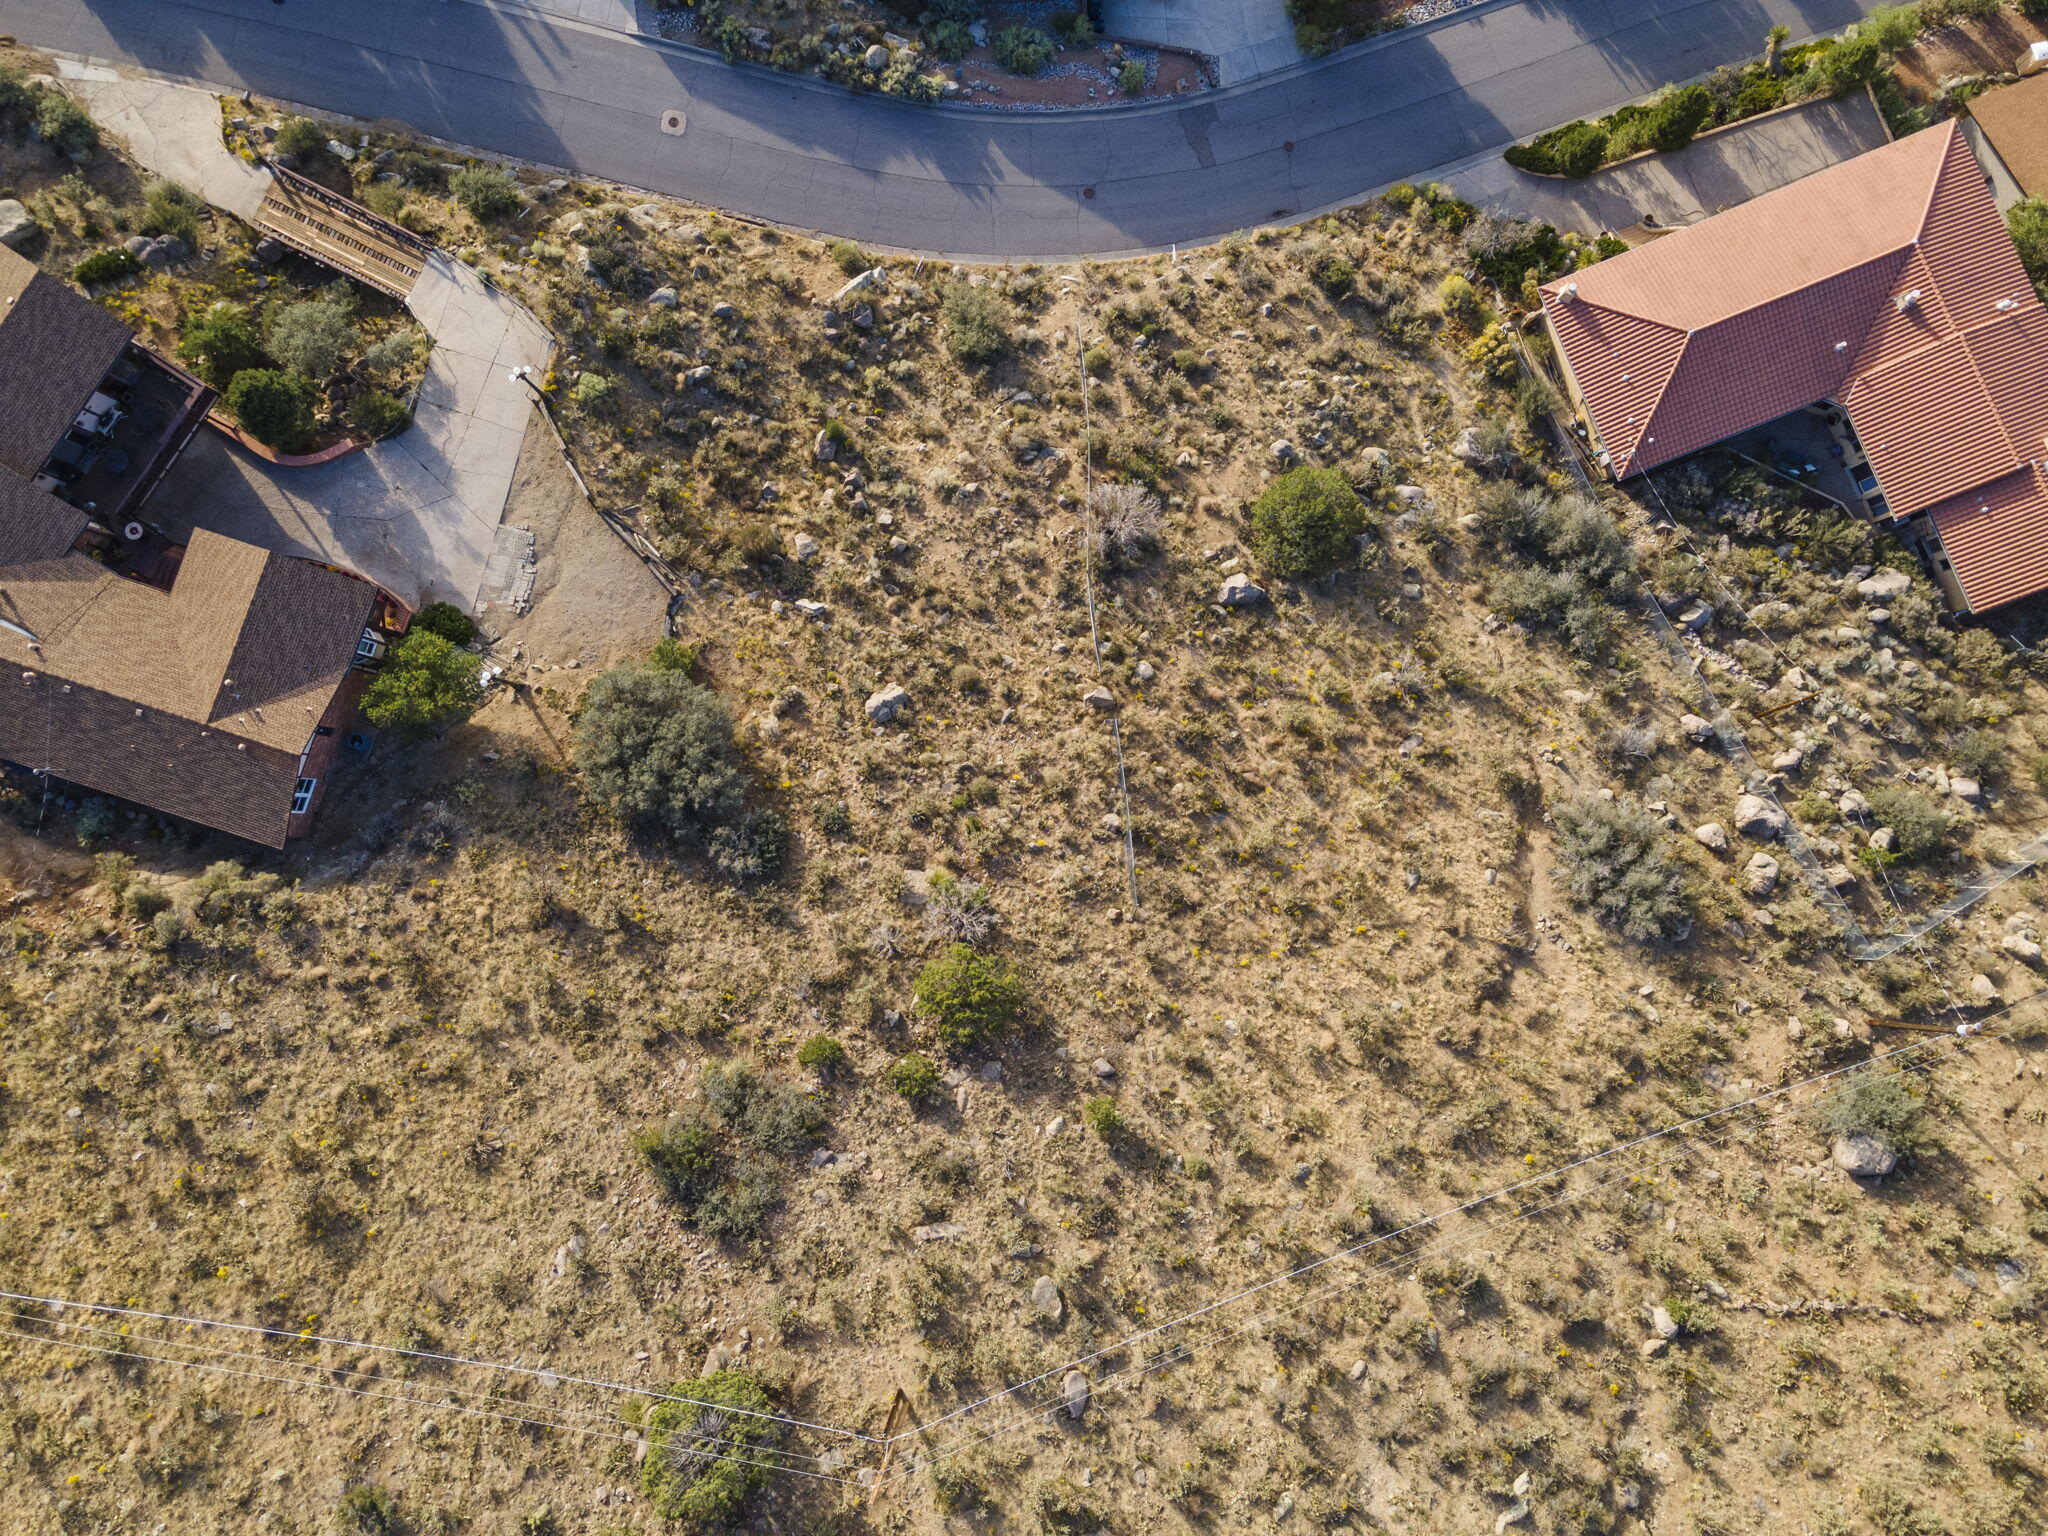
(341, 234)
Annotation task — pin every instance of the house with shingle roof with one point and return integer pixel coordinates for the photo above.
(1884, 292)
(209, 679)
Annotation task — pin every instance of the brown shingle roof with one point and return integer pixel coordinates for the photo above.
(2015, 119)
(197, 701)
(55, 347)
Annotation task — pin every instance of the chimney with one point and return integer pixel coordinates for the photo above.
(1567, 293)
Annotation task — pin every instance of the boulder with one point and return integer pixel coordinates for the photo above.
(1045, 1299)
(1694, 617)
(1853, 804)
(695, 378)
(823, 448)
(1758, 818)
(1466, 449)
(663, 298)
(1076, 1391)
(1760, 874)
(18, 228)
(1284, 451)
(884, 704)
(803, 547)
(724, 312)
(813, 610)
(1788, 761)
(1840, 877)
(1711, 835)
(1698, 731)
(2021, 948)
(1662, 1323)
(1411, 495)
(1885, 585)
(1099, 697)
(1863, 1156)
(1240, 591)
(1966, 789)
(1983, 988)
(877, 57)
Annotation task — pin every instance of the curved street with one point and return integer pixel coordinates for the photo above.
(965, 182)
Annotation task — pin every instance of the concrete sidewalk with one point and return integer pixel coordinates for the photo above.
(173, 131)
(1247, 38)
(1719, 171)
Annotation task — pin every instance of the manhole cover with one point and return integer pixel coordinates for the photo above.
(673, 121)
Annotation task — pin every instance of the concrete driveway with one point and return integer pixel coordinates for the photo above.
(979, 183)
(1247, 38)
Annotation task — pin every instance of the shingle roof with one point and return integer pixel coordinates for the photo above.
(55, 346)
(197, 701)
(2015, 119)
(1888, 283)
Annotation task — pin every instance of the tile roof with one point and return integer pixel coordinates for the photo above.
(1887, 282)
(197, 700)
(2015, 119)
(1996, 538)
(55, 347)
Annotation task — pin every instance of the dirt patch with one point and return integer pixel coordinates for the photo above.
(1967, 50)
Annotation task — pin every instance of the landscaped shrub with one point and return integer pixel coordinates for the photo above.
(2027, 220)
(971, 998)
(1576, 149)
(949, 41)
(977, 322)
(399, 349)
(376, 413)
(1507, 250)
(1922, 826)
(168, 209)
(1611, 858)
(1130, 79)
(108, 266)
(65, 126)
(1022, 50)
(447, 621)
(913, 1076)
(273, 407)
(708, 1447)
(488, 195)
(220, 343)
(312, 337)
(1672, 120)
(1306, 523)
(425, 686)
(300, 138)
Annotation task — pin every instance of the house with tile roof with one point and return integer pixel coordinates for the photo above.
(208, 679)
(1883, 293)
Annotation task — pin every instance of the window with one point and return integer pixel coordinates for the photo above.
(302, 797)
(370, 647)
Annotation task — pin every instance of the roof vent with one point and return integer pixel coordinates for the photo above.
(1567, 293)
(1841, 346)
(2008, 304)
(1907, 300)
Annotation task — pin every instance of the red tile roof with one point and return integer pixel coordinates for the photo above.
(1888, 283)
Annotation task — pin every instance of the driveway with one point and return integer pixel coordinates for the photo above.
(1719, 171)
(973, 182)
(1247, 38)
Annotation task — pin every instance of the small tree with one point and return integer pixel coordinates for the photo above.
(977, 323)
(1306, 522)
(220, 343)
(273, 407)
(426, 685)
(972, 998)
(1611, 858)
(312, 338)
(488, 195)
(657, 749)
(707, 1448)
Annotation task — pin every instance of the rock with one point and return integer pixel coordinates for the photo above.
(1076, 1392)
(1966, 789)
(1099, 697)
(939, 1232)
(340, 151)
(1838, 876)
(1240, 591)
(803, 547)
(1103, 1068)
(813, 610)
(1760, 875)
(1650, 1349)
(1283, 1507)
(1628, 1496)
(876, 58)
(1411, 495)
(1514, 1514)
(1662, 1323)
(1697, 730)
(162, 251)
(1853, 804)
(1758, 818)
(823, 448)
(1788, 761)
(885, 703)
(2021, 948)
(1863, 1157)
(694, 378)
(1045, 1299)
(1145, 672)
(1885, 585)
(1284, 451)
(1712, 836)
(1884, 839)
(724, 312)
(1466, 450)
(663, 298)
(1357, 1371)
(1983, 988)
(1694, 617)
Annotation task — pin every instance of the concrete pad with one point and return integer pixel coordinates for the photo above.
(1247, 38)
(173, 131)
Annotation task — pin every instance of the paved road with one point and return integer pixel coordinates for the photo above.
(957, 181)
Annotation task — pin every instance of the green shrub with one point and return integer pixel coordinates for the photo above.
(1981, 755)
(376, 414)
(300, 138)
(1458, 300)
(312, 337)
(488, 195)
(447, 621)
(367, 1511)
(108, 266)
(1576, 149)
(671, 655)
(143, 902)
(1332, 273)
(1022, 50)
(1880, 1102)
(848, 257)
(592, 391)
(65, 126)
(2027, 221)
(1306, 523)
(972, 998)
(914, 1077)
(1097, 362)
(168, 209)
(425, 685)
(1760, 95)
(709, 1451)
(823, 1055)
(1922, 825)
(949, 41)
(220, 343)
(1101, 1117)
(769, 1115)
(273, 407)
(1674, 118)
(386, 199)
(977, 322)
(684, 1157)
(1130, 79)
(1611, 858)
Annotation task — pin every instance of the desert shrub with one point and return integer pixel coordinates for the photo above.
(365, 1510)
(274, 407)
(108, 266)
(1506, 250)
(1127, 524)
(426, 685)
(143, 902)
(1923, 826)
(671, 655)
(771, 1115)
(684, 1158)
(65, 126)
(488, 195)
(592, 391)
(1101, 1117)
(400, 349)
(94, 822)
(221, 342)
(447, 621)
(971, 998)
(1611, 858)
(1332, 273)
(1306, 523)
(2027, 221)
(300, 138)
(913, 1076)
(977, 323)
(1880, 1102)
(1022, 50)
(706, 1452)
(1981, 755)
(1097, 362)
(1458, 300)
(312, 337)
(848, 257)
(386, 199)
(823, 1055)
(1576, 149)
(376, 414)
(1673, 119)
(1492, 355)
(168, 209)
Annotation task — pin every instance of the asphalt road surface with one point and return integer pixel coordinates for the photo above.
(959, 181)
